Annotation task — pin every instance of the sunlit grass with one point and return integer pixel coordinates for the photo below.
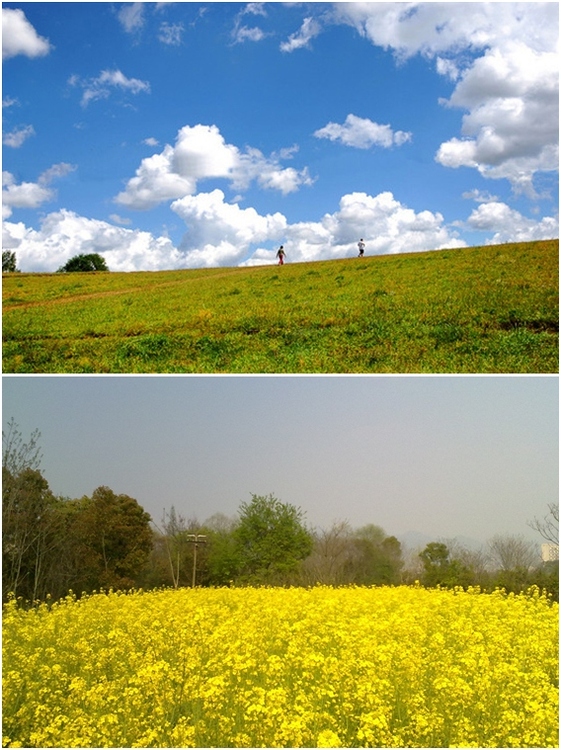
(322, 667)
(492, 309)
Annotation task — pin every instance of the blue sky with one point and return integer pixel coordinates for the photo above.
(181, 135)
(442, 456)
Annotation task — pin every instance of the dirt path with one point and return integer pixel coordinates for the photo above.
(116, 292)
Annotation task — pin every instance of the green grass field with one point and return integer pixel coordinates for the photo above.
(482, 309)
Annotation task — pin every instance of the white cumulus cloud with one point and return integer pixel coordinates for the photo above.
(361, 132)
(55, 172)
(386, 225)
(242, 33)
(448, 29)
(201, 152)
(19, 37)
(155, 182)
(22, 195)
(511, 129)
(9, 101)
(31, 194)
(509, 225)
(247, 34)
(221, 233)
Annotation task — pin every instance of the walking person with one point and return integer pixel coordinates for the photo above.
(361, 247)
(280, 255)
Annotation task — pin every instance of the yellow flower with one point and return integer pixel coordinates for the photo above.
(243, 667)
(327, 738)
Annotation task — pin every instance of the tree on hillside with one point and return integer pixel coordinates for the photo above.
(9, 261)
(271, 539)
(90, 262)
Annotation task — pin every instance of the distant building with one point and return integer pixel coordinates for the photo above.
(550, 552)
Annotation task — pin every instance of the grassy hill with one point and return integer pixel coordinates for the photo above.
(482, 309)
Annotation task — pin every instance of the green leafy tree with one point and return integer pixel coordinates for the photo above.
(223, 559)
(271, 540)
(27, 515)
(30, 523)
(377, 558)
(112, 540)
(91, 262)
(547, 577)
(439, 568)
(8, 261)
(174, 533)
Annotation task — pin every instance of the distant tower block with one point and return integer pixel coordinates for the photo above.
(550, 552)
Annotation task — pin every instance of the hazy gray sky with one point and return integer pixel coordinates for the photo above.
(445, 456)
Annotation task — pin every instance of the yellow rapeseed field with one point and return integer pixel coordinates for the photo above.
(273, 667)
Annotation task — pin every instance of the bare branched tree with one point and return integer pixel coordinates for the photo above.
(513, 552)
(331, 554)
(548, 526)
(18, 455)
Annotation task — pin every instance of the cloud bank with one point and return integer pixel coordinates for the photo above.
(224, 234)
(64, 234)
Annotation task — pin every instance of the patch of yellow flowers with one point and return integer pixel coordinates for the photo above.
(273, 667)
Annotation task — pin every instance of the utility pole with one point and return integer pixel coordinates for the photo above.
(195, 540)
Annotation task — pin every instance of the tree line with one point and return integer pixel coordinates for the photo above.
(83, 262)
(52, 545)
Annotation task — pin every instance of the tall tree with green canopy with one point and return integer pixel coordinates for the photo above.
(271, 539)
(89, 262)
(9, 261)
(28, 516)
(440, 569)
(113, 540)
